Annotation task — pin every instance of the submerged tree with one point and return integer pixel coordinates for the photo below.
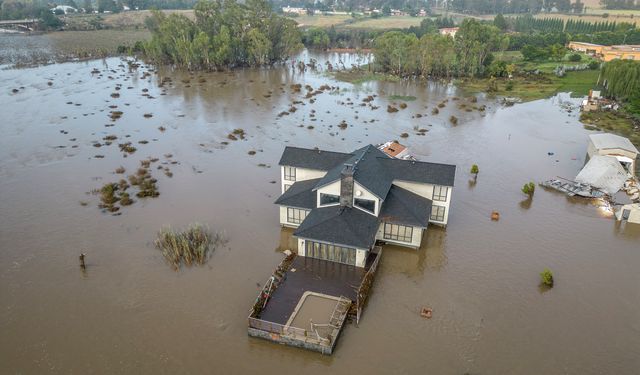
(224, 34)
(529, 188)
(546, 277)
(475, 170)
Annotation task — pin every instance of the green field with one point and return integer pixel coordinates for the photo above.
(321, 21)
(384, 23)
(360, 22)
(534, 87)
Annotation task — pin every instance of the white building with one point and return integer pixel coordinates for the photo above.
(341, 203)
(65, 8)
(629, 213)
(451, 31)
(614, 145)
(291, 10)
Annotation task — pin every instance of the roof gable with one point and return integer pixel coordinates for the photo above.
(405, 207)
(346, 226)
(368, 171)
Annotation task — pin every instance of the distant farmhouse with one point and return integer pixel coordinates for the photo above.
(607, 53)
(66, 9)
(298, 11)
(451, 31)
(342, 203)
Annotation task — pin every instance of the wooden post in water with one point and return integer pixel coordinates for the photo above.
(81, 257)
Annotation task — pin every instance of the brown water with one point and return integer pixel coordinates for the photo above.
(130, 313)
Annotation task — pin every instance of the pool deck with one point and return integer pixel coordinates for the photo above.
(306, 301)
(313, 275)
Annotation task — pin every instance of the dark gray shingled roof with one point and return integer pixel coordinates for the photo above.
(340, 225)
(369, 172)
(420, 171)
(300, 195)
(405, 207)
(312, 159)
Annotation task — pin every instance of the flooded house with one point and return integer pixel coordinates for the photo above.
(629, 213)
(621, 148)
(342, 207)
(342, 203)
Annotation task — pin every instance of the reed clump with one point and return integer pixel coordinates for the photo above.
(192, 245)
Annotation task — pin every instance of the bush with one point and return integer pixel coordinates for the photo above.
(529, 188)
(497, 69)
(546, 277)
(508, 86)
(532, 53)
(593, 65)
(575, 57)
(492, 85)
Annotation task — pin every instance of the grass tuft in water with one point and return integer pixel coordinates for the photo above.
(190, 246)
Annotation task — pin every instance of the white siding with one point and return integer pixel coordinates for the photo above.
(333, 189)
(283, 217)
(591, 150)
(302, 174)
(361, 257)
(416, 238)
(426, 190)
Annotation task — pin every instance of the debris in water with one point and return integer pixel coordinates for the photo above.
(426, 312)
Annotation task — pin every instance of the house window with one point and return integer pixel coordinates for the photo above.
(326, 199)
(437, 213)
(333, 253)
(440, 193)
(286, 187)
(290, 173)
(296, 215)
(366, 204)
(398, 232)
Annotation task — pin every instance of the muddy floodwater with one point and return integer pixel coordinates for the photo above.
(129, 312)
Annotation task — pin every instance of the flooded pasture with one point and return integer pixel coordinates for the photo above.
(129, 312)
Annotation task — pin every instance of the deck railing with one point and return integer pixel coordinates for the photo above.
(287, 331)
(367, 281)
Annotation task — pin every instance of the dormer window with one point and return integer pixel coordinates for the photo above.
(365, 204)
(328, 199)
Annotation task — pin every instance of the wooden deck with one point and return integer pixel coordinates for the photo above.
(312, 275)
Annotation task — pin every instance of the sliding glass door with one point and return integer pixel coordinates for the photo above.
(334, 253)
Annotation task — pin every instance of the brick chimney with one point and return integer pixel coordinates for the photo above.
(346, 185)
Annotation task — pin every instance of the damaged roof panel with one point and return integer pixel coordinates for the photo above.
(604, 173)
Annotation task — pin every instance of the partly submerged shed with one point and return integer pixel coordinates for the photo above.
(604, 173)
(614, 145)
(629, 213)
